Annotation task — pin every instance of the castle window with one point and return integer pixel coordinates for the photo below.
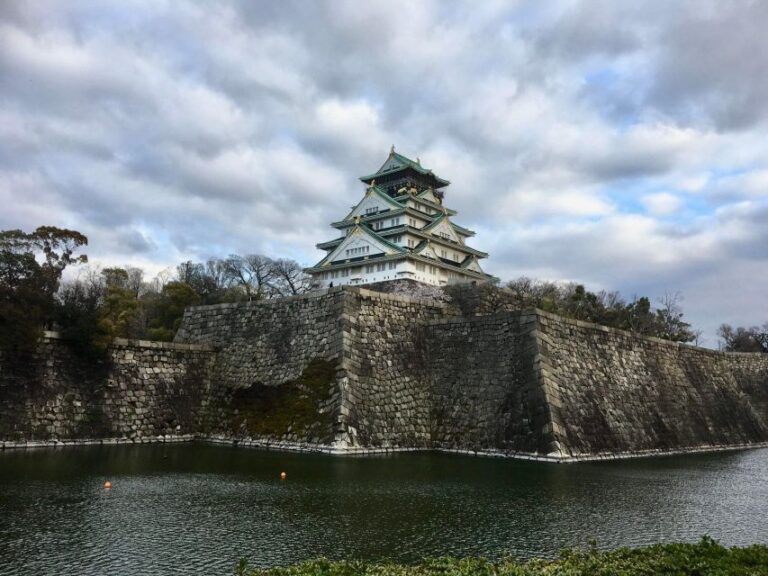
(369, 268)
(372, 210)
(392, 265)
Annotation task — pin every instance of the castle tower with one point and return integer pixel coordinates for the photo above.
(399, 229)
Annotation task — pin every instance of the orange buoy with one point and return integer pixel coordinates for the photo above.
(107, 485)
(283, 475)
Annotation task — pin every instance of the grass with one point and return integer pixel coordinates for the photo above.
(706, 558)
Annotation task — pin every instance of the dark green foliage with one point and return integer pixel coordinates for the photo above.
(575, 301)
(31, 265)
(707, 558)
(77, 316)
(169, 309)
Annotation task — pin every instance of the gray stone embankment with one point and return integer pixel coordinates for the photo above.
(353, 371)
(138, 390)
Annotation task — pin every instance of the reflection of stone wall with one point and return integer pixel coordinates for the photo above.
(348, 369)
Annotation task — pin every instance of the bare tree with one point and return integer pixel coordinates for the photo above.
(289, 278)
(741, 339)
(252, 273)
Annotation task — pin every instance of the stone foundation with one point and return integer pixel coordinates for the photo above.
(352, 371)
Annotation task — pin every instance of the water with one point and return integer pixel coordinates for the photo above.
(196, 509)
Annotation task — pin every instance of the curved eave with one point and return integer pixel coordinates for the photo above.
(329, 244)
(406, 229)
(347, 222)
(356, 262)
(439, 207)
(381, 194)
(436, 180)
(409, 256)
(447, 243)
(463, 231)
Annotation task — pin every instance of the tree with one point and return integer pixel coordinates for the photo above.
(174, 299)
(252, 273)
(640, 316)
(31, 266)
(288, 278)
(211, 281)
(741, 339)
(669, 318)
(122, 314)
(78, 314)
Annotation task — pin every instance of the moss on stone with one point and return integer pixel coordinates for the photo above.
(290, 409)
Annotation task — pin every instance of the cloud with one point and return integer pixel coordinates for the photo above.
(661, 204)
(615, 143)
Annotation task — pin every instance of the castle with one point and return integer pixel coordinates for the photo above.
(347, 370)
(400, 229)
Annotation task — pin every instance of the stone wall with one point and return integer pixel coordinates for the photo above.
(538, 384)
(610, 391)
(274, 358)
(386, 397)
(137, 390)
(487, 395)
(351, 370)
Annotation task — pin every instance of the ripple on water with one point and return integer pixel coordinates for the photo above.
(197, 509)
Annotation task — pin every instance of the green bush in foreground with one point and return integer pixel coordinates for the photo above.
(703, 559)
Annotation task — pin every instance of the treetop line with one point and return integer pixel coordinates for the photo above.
(399, 230)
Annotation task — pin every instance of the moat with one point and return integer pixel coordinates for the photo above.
(196, 509)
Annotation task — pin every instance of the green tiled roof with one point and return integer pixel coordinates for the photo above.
(347, 222)
(383, 195)
(404, 198)
(434, 223)
(462, 230)
(403, 162)
(386, 258)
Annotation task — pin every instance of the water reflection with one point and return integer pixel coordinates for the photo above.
(198, 508)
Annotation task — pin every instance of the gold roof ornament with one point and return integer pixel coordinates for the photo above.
(357, 220)
(392, 149)
(418, 161)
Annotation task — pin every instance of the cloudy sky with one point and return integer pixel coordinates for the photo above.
(618, 144)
